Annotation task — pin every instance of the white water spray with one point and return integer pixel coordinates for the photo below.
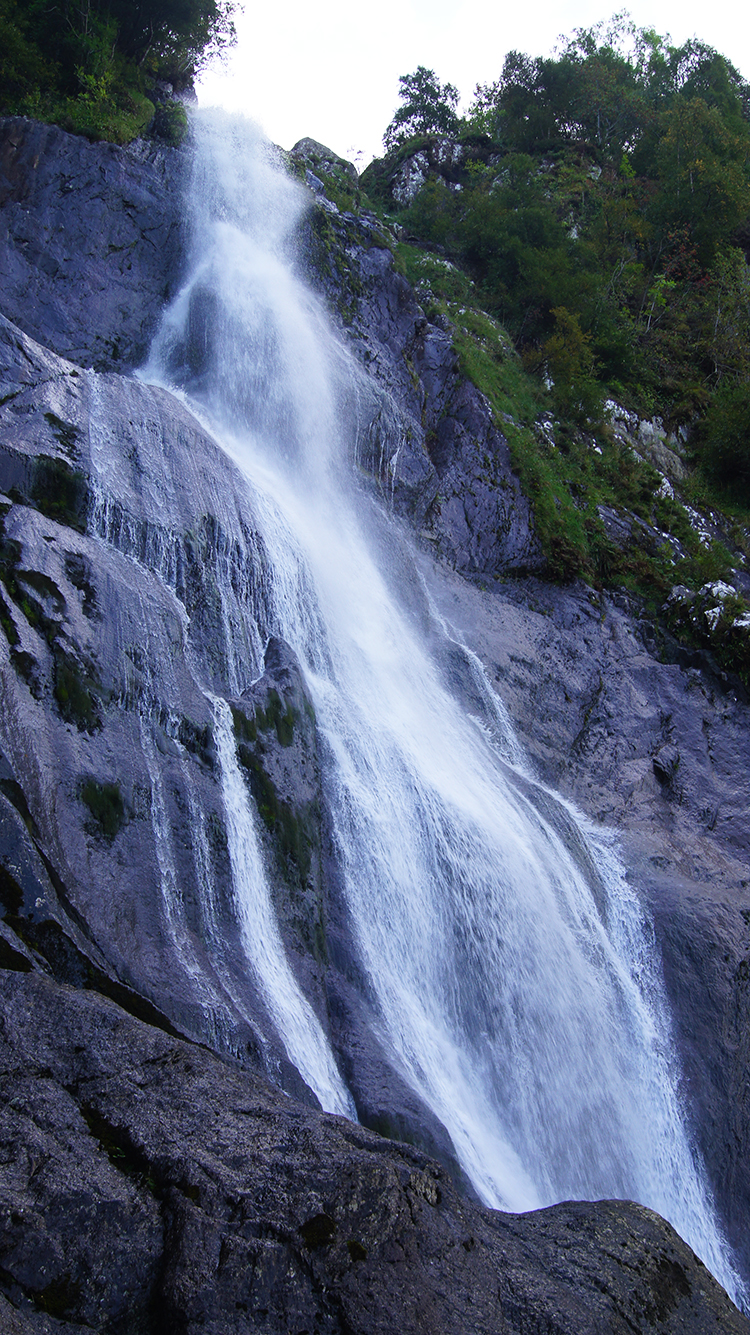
(515, 975)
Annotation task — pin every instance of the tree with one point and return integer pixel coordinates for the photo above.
(704, 173)
(723, 439)
(175, 36)
(429, 108)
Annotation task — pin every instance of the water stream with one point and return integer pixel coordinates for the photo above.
(514, 973)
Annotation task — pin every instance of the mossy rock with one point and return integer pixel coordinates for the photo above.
(60, 492)
(76, 700)
(104, 801)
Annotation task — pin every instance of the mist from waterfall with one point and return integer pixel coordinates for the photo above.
(514, 974)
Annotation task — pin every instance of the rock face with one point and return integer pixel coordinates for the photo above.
(149, 1187)
(90, 241)
(425, 433)
(152, 1185)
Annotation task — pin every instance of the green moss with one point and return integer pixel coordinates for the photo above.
(74, 691)
(290, 832)
(66, 433)
(277, 715)
(104, 801)
(60, 492)
(245, 728)
(329, 245)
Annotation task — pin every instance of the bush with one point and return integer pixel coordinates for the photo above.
(722, 440)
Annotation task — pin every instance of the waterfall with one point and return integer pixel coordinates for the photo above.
(514, 974)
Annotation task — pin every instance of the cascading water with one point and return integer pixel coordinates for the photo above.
(514, 974)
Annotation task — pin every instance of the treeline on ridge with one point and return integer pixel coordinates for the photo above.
(600, 202)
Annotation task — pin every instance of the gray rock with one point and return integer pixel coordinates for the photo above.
(317, 154)
(90, 240)
(432, 445)
(666, 762)
(148, 1186)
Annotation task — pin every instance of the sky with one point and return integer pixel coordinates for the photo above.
(330, 71)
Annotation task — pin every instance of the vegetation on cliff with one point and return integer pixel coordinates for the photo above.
(92, 65)
(586, 230)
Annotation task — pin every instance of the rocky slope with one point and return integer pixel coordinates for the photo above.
(107, 763)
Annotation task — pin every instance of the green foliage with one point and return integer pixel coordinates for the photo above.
(429, 107)
(175, 37)
(702, 164)
(722, 440)
(605, 195)
(570, 365)
(24, 69)
(170, 123)
(89, 65)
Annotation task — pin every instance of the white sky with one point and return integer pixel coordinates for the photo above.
(330, 70)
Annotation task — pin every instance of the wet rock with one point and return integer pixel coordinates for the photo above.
(592, 708)
(149, 1186)
(115, 637)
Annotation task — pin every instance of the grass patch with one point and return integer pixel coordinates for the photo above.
(568, 474)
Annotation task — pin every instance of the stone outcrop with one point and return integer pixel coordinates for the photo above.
(148, 1187)
(426, 434)
(91, 241)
